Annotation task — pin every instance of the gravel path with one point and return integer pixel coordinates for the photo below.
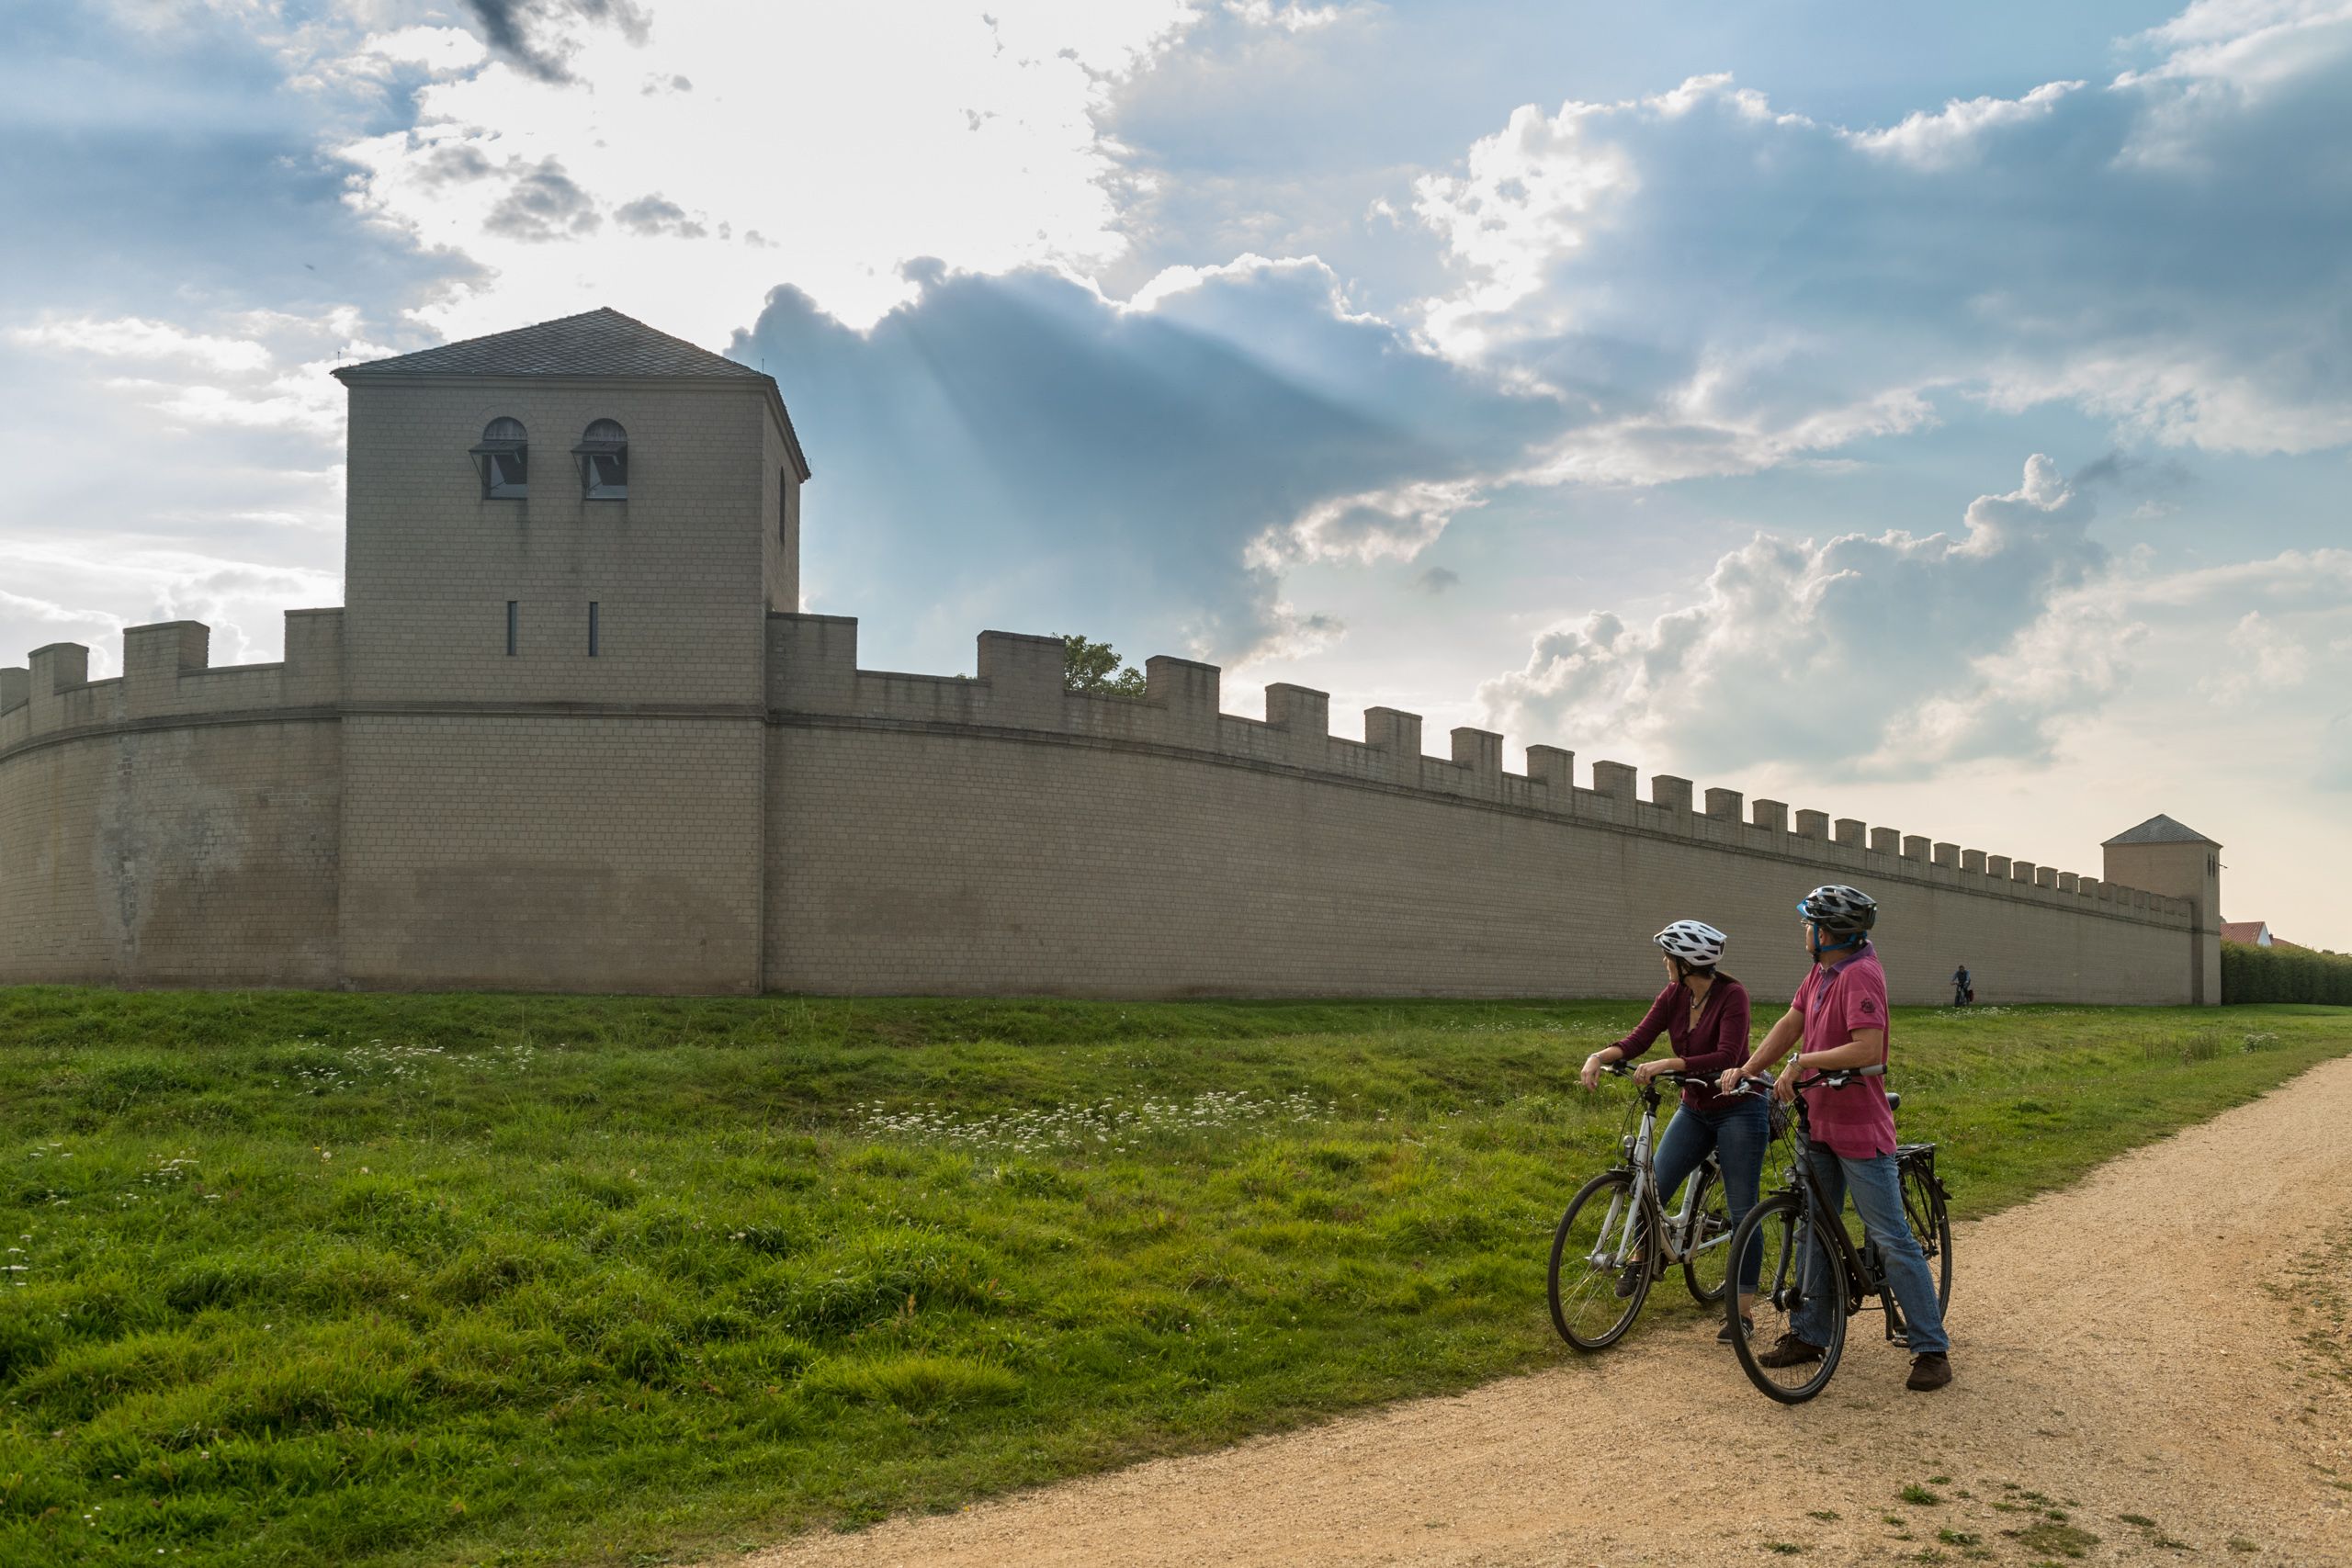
(2165, 1339)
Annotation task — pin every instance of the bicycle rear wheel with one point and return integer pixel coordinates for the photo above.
(1706, 1255)
(1923, 1206)
(1591, 1252)
(1798, 1269)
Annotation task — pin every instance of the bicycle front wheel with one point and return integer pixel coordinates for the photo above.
(1601, 1247)
(1706, 1251)
(1923, 1206)
(1799, 1281)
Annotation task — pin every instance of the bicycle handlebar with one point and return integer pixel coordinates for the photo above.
(1841, 1078)
(1620, 1069)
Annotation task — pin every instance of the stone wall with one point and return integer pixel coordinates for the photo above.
(176, 825)
(869, 831)
(997, 835)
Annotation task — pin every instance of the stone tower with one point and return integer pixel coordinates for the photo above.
(2163, 856)
(562, 545)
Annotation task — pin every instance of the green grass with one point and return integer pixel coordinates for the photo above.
(427, 1279)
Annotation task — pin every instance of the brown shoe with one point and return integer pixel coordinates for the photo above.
(1788, 1350)
(1930, 1371)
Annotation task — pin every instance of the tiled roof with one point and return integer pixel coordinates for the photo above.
(2249, 931)
(597, 343)
(2162, 830)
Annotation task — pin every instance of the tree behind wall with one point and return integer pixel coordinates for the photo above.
(1093, 666)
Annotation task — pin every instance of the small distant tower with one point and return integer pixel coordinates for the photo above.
(2165, 857)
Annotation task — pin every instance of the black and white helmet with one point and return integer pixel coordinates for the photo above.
(1695, 943)
(1838, 910)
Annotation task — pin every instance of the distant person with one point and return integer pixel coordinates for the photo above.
(1962, 993)
(1704, 1014)
(1839, 1014)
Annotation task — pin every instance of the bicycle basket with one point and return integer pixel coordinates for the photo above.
(1779, 1115)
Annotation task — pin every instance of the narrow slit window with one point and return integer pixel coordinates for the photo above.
(514, 626)
(783, 505)
(503, 460)
(591, 629)
(603, 453)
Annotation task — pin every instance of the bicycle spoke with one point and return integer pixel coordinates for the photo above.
(1800, 1297)
(1595, 1246)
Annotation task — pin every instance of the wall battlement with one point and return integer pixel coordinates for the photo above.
(813, 671)
(166, 674)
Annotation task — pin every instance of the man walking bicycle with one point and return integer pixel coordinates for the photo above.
(1839, 1017)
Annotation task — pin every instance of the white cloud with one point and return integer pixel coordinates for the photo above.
(1894, 653)
(1938, 140)
(849, 139)
(137, 338)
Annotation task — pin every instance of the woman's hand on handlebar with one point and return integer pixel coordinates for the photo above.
(1651, 1069)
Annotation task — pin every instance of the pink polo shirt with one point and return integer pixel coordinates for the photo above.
(1838, 1001)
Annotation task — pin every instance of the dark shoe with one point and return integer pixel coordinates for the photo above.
(1789, 1351)
(1930, 1371)
(1746, 1331)
(1631, 1280)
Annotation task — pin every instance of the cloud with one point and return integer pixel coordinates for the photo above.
(1959, 129)
(544, 204)
(1724, 286)
(1132, 470)
(137, 338)
(658, 214)
(980, 129)
(1891, 652)
(541, 36)
(1437, 580)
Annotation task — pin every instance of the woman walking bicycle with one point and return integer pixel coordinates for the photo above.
(1704, 1014)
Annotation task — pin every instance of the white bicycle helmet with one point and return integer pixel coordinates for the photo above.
(1840, 910)
(1694, 943)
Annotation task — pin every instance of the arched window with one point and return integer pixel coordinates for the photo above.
(604, 461)
(504, 459)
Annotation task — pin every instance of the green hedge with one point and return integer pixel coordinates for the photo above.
(2250, 974)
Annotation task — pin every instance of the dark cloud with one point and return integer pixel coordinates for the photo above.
(658, 214)
(1019, 441)
(542, 205)
(456, 162)
(1437, 580)
(530, 33)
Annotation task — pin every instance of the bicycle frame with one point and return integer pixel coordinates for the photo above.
(1676, 1232)
(1858, 1273)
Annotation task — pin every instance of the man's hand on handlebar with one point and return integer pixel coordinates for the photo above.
(1784, 1089)
(1729, 1082)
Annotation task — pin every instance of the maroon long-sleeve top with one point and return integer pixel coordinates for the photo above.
(1716, 1039)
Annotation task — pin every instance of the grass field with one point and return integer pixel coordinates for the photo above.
(299, 1278)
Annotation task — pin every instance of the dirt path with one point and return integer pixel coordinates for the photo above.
(2199, 1375)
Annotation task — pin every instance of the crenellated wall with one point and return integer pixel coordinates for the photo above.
(997, 833)
(873, 831)
(177, 824)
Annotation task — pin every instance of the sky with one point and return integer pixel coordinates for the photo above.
(1939, 416)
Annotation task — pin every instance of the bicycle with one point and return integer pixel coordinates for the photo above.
(1616, 1215)
(1803, 1243)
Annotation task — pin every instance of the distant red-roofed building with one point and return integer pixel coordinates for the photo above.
(2253, 933)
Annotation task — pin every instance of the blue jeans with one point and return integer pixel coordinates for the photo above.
(1876, 1187)
(1738, 1135)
